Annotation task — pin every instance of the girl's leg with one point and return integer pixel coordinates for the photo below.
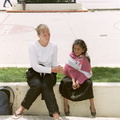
(66, 107)
(92, 107)
(92, 103)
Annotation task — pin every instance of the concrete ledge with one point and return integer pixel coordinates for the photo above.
(107, 100)
(71, 7)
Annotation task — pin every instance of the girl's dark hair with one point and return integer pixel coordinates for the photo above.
(81, 43)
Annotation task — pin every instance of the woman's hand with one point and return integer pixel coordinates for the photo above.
(57, 69)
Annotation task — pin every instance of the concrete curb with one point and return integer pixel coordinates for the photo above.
(106, 105)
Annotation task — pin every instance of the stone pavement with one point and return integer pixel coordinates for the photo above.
(100, 30)
(50, 118)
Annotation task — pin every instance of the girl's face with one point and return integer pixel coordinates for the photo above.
(78, 50)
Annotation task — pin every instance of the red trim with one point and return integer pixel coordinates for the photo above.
(24, 11)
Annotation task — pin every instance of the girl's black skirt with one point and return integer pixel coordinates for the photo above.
(84, 92)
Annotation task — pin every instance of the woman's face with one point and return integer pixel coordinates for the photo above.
(45, 36)
(78, 50)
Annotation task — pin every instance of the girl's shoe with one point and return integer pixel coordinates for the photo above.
(93, 113)
(67, 113)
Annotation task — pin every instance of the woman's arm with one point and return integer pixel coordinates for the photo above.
(34, 61)
(54, 56)
(56, 67)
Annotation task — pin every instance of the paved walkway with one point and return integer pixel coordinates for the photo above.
(50, 118)
(100, 30)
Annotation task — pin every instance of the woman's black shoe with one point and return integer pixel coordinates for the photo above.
(68, 112)
(93, 113)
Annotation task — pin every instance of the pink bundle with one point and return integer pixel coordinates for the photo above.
(78, 68)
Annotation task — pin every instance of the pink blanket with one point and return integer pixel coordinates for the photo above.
(78, 68)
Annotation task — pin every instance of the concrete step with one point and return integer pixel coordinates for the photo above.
(70, 7)
(106, 97)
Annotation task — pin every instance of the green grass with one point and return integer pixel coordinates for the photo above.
(100, 74)
(12, 74)
(106, 74)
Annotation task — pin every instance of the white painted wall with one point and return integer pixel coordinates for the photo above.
(107, 100)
